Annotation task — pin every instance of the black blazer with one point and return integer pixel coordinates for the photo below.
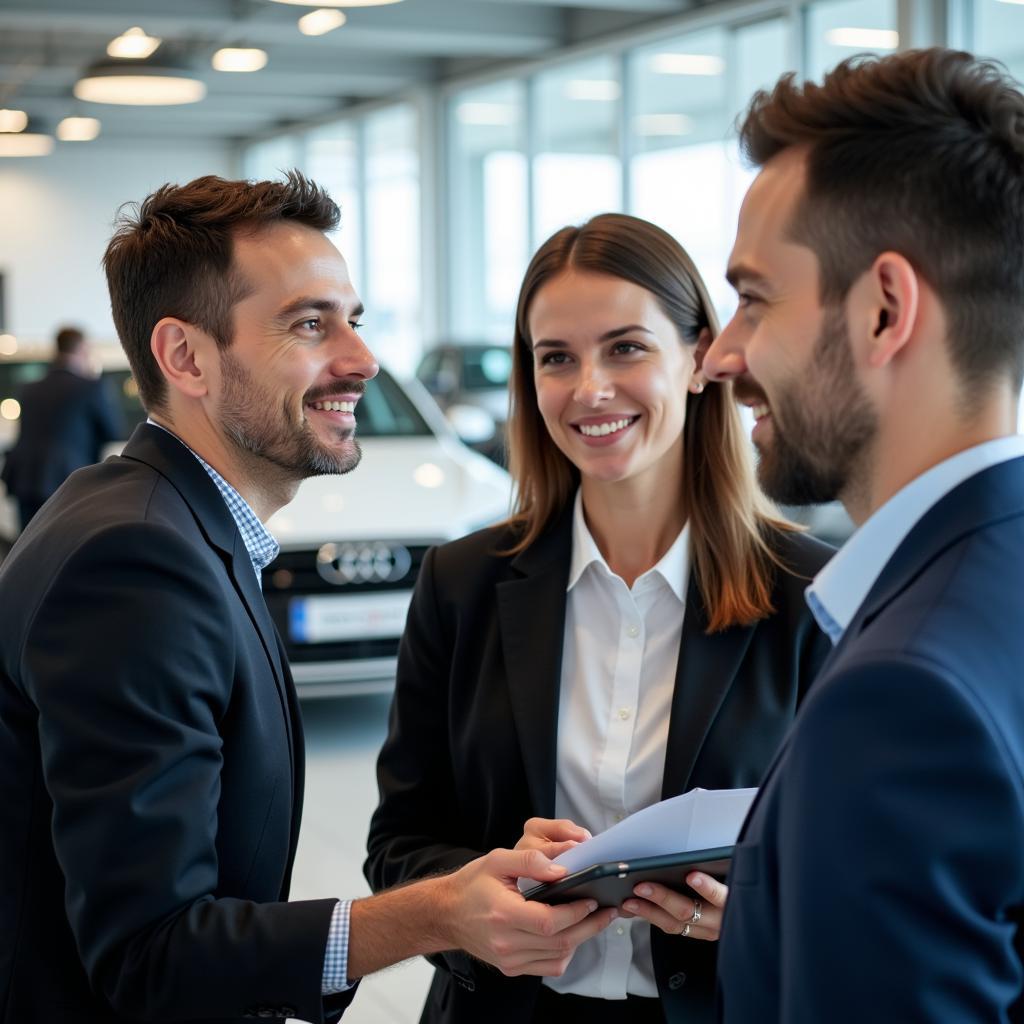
(470, 755)
(151, 762)
(65, 422)
(880, 872)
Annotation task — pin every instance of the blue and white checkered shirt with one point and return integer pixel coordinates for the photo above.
(263, 549)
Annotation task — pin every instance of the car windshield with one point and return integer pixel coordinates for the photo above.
(486, 368)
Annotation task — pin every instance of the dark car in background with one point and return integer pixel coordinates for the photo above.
(470, 384)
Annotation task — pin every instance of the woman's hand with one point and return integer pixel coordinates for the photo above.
(551, 836)
(697, 917)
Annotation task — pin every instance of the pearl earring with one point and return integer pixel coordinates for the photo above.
(697, 386)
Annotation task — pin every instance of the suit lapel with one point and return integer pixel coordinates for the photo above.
(173, 460)
(531, 617)
(704, 674)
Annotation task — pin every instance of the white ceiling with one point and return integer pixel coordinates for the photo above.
(46, 44)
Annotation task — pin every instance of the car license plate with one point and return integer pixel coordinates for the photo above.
(334, 617)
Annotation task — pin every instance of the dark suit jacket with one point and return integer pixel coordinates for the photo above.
(881, 872)
(65, 422)
(151, 762)
(471, 751)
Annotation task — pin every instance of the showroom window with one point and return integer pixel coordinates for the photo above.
(391, 289)
(685, 171)
(489, 239)
(577, 170)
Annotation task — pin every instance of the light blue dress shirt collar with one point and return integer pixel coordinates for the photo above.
(259, 543)
(843, 584)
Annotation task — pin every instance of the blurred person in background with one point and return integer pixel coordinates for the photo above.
(635, 630)
(66, 419)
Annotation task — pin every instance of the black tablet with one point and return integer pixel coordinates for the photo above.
(613, 882)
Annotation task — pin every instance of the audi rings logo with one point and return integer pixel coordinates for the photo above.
(363, 563)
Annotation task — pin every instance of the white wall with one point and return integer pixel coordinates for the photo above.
(56, 216)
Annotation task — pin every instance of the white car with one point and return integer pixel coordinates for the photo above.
(351, 545)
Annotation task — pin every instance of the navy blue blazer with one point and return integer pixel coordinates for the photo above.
(880, 874)
(151, 763)
(66, 420)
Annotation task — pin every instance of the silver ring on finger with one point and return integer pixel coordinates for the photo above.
(686, 929)
(698, 909)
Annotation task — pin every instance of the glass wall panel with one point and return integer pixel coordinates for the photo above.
(264, 161)
(577, 168)
(842, 28)
(685, 174)
(391, 288)
(489, 222)
(332, 160)
(999, 33)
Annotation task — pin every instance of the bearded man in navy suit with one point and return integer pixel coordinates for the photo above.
(879, 340)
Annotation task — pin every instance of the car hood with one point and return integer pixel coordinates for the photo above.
(410, 488)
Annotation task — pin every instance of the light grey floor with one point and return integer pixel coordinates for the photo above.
(342, 740)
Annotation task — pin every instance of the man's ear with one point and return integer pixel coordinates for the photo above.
(890, 303)
(181, 351)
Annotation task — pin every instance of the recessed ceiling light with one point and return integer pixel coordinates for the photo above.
(143, 85)
(486, 114)
(337, 3)
(132, 45)
(601, 89)
(662, 124)
(864, 38)
(13, 120)
(239, 59)
(322, 21)
(78, 129)
(687, 64)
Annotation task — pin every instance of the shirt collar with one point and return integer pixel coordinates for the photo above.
(673, 566)
(259, 543)
(842, 586)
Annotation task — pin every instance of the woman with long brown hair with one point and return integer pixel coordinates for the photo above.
(636, 629)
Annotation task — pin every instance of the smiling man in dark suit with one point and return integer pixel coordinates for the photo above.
(879, 339)
(66, 419)
(151, 765)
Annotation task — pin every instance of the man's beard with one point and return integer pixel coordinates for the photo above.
(821, 426)
(248, 420)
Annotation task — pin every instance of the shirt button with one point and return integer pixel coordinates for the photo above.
(633, 631)
(624, 713)
(620, 930)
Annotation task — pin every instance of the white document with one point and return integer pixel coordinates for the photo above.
(699, 820)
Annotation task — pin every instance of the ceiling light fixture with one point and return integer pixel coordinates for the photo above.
(864, 38)
(663, 124)
(687, 64)
(601, 89)
(8, 344)
(238, 59)
(322, 21)
(13, 120)
(21, 137)
(337, 3)
(132, 45)
(142, 85)
(78, 129)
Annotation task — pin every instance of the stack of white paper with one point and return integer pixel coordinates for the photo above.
(699, 820)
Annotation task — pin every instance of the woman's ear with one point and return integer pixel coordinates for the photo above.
(697, 380)
(178, 348)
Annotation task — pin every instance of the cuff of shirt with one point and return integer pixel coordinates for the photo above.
(336, 955)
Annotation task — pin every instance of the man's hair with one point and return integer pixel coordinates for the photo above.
(69, 340)
(920, 153)
(172, 255)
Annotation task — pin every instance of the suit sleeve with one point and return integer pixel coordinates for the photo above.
(899, 864)
(414, 830)
(132, 757)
